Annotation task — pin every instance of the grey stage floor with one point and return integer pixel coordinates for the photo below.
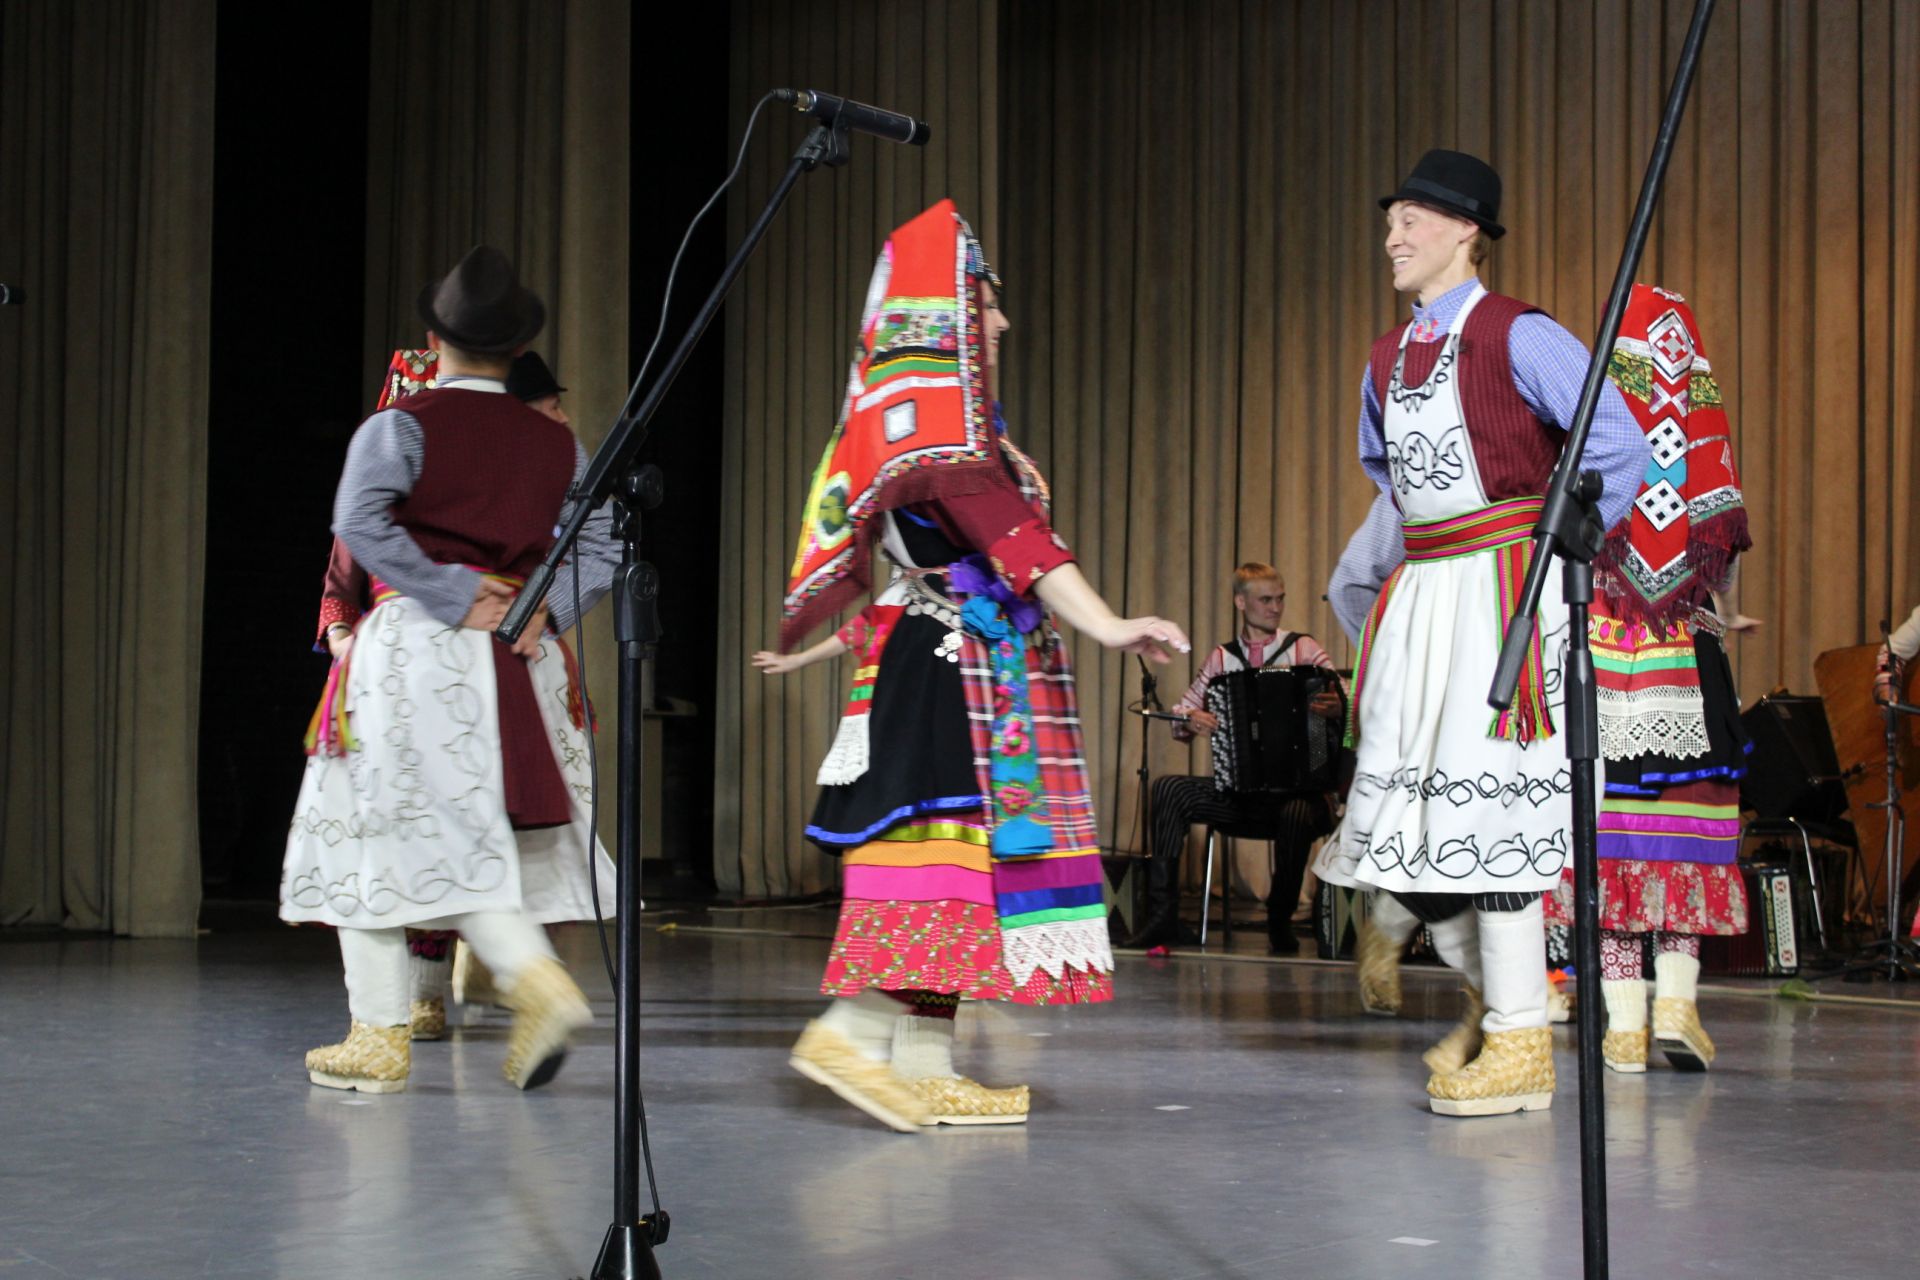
(1222, 1119)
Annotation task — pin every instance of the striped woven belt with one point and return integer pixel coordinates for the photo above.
(1487, 529)
(1503, 528)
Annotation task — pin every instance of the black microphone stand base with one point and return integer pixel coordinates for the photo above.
(627, 1254)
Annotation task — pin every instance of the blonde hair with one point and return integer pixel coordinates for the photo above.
(1251, 572)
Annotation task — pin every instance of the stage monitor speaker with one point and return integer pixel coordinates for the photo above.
(1794, 771)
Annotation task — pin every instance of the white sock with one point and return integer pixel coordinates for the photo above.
(376, 967)
(506, 942)
(429, 979)
(1513, 957)
(1389, 916)
(1676, 976)
(1626, 1003)
(865, 1021)
(1457, 941)
(923, 1047)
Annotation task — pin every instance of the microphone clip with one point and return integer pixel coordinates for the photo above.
(826, 144)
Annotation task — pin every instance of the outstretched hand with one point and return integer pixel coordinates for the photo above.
(1154, 638)
(776, 664)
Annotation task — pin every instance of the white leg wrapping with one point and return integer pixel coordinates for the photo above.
(376, 965)
(430, 979)
(1458, 942)
(1676, 976)
(1626, 1003)
(506, 942)
(923, 1047)
(865, 1021)
(1386, 914)
(1513, 957)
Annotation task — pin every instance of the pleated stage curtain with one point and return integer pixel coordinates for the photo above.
(1194, 264)
(106, 144)
(789, 330)
(506, 122)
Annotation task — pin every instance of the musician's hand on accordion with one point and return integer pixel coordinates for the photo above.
(1202, 721)
(1327, 705)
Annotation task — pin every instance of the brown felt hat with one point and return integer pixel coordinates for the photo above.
(481, 306)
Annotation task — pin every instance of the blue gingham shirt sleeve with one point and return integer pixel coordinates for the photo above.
(383, 462)
(595, 556)
(1375, 550)
(1373, 435)
(1549, 366)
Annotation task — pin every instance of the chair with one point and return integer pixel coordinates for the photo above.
(1253, 829)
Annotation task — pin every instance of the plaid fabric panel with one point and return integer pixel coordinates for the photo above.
(1057, 737)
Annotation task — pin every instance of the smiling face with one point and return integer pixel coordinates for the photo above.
(1430, 251)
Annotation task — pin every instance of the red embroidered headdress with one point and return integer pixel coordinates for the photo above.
(1688, 521)
(917, 420)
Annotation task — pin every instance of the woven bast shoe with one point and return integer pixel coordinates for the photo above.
(370, 1059)
(1676, 1025)
(429, 1019)
(1625, 1051)
(1377, 965)
(472, 980)
(958, 1100)
(547, 1009)
(826, 1057)
(1458, 1047)
(1514, 1072)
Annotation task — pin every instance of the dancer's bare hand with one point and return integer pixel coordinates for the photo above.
(1154, 638)
(490, 601)
(1741, 622)
(528, 645)
(776, 664)
(339, 644)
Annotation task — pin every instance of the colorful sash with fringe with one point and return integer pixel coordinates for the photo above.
(1506, 529)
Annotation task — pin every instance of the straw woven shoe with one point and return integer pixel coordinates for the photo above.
(826, 1057)
(958, 1100)
(1458, 1047)
(1625, 1051)
(429, 1019)
(1514, 1072)
(547, 1009)
(370, 1059)
(1676, 1025)
(1377, 965)
(472, 980)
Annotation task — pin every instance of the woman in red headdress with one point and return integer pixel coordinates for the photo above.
(956, 790)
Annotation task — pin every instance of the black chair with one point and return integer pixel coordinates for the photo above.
(1267, 829)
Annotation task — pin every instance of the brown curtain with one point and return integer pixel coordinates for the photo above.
(506, 122)
(789, 329)
(106, 138)
(1194, 275)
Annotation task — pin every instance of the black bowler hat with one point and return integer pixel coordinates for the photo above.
(481, 306)
(529, 379)
(1463, 185)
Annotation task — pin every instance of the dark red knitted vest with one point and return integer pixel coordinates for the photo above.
(1515, 451)
(489, 494)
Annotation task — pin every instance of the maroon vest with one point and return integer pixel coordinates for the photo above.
(489, 495)
(1514, 449)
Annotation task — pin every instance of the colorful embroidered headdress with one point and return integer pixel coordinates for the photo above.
(410, 372)
(1688, 521)
(917, 420)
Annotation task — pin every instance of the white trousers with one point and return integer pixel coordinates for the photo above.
(376, 962)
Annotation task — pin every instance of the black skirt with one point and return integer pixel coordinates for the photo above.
(920, 759)
(1727, 743)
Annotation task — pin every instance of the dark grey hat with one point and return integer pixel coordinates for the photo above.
(481, 306)
(1463, 185)
(529, 379)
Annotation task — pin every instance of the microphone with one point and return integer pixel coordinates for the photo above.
(846, 113)
(11, 295)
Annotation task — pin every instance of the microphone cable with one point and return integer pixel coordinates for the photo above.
(580, 646)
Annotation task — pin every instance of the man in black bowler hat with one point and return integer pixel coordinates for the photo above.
(1461, 815)
(456, 803)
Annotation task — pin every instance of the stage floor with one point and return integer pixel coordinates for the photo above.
(1225, 1118)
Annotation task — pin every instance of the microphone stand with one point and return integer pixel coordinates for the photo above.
(627, 1251)
(1570, 528)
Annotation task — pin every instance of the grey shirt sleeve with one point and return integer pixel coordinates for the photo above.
(383, 462)
(1375, 550)
(595, 556)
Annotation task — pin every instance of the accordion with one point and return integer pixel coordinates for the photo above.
(1269, 740)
